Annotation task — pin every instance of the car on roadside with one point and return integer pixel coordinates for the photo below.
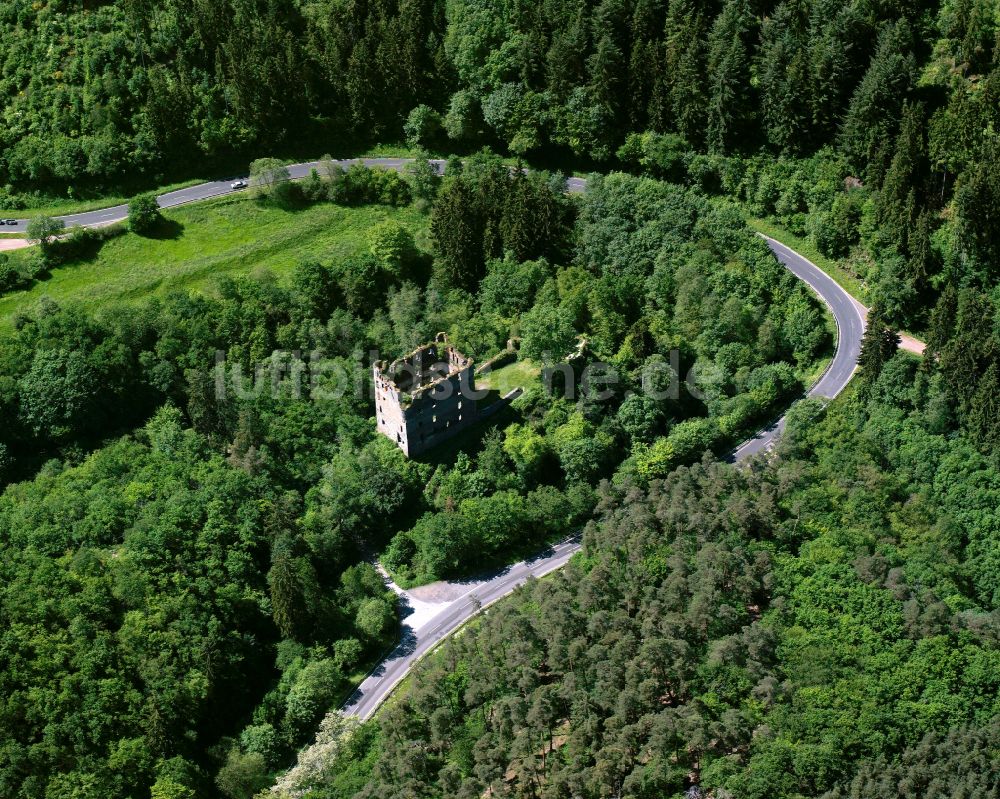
(238, 184)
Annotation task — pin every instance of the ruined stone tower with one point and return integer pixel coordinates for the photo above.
(425, 397)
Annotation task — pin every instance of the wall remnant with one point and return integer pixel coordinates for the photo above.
(426, 396)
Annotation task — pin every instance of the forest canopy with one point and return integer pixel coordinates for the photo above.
(825, 625)
(198, 547)
(187, 587)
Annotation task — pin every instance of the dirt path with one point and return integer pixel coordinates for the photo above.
(911, 344)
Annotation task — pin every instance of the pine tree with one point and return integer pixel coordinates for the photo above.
(897, 204)
(942, 324)
(983, 418)
(642, 62)
(977, 206)
(970, 349)
(685, 65)
(834, 63)
(516, 224)
(606, 68)
(458, 235)
(876, 107)
(566, 65)
(924, 260)
(783, 72)
(729, 98)
(878, 347)
(287, 600)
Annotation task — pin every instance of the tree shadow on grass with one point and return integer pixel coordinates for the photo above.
(164, 230)
(79, 247)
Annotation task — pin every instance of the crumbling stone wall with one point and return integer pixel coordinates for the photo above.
(426, 396)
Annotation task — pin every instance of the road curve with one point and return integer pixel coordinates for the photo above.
(377, 686)
(848, 313)
(850, 319)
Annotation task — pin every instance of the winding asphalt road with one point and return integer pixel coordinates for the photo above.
(377, 686)
(848, 313)
(850, 317)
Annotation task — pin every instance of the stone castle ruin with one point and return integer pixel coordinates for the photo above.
(425, 397)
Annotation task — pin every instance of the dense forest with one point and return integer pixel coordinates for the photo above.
(869, 125)
(186, 579)
(183, 605)
(822, 626)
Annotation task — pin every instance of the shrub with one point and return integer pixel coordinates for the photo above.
(311, 695)
(661, 155)
(692, 437)
(839, 230)
(391, 245)
(423, 126)
(363, 186)
(10, 278)
(261, 739)
(313, 189)
(526, 448)
(44, 229)
(266, 174)
(375, 617)
(463, 118)
(640, 417)
(143, 213)
(242, 775)
(657, 461)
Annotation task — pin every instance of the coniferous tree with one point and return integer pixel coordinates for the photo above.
(878, 346)
(873, 116)
(942, 323)
(924, 261)
(643, 61)
(783, 70)
(458, 235)
(969, 350)
(607, 72)
(516, 222)
(566, 64)
(729, 100)
(897, 204)
(684, 66)
(983, 418)
(292, 583)
(977, 205)
(834, 64)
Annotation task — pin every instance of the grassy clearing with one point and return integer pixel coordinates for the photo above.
(396, 151)
(805, 247)
(62, 206)
(204, 241)
(810, 378)
(518, 374)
